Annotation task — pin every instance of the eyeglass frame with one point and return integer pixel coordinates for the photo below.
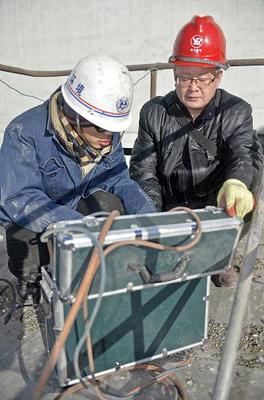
(80, 123)
(88, 124)
(198, 81)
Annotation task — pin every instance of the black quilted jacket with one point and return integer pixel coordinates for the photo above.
(174, 169)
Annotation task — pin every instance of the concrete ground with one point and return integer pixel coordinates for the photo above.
(23, 355)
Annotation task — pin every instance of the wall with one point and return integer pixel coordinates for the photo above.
(51, 35)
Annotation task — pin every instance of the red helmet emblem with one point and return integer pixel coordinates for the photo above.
(196, 41)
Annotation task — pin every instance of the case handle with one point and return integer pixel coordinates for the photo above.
(175, 273)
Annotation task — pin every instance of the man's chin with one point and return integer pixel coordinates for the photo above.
(101, 146)
(194, 105)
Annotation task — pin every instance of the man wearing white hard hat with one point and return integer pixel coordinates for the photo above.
(64, 159)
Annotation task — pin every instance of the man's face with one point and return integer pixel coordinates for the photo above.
(97, 140)
(93, 135)
(195, 94)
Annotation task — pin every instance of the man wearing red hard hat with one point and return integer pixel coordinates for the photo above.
(196, 145)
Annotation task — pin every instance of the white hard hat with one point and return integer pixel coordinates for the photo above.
(100, 89)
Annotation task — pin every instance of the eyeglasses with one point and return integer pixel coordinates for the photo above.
(202, 82)
(81, 122)
(88, 124)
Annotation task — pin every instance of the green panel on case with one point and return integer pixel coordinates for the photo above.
(133, 326)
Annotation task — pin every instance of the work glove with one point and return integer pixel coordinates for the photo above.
(235, 197)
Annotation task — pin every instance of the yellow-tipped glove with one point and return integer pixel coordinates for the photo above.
(235, 197)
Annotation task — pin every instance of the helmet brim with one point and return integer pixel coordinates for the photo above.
(203, 64)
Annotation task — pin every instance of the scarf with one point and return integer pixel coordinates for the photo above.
(87, 156)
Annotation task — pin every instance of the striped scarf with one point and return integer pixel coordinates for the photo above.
(87, 156)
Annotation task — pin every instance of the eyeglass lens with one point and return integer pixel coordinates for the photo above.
(199, 81)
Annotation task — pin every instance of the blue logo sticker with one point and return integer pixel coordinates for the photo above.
(122, 104)
(79, 88)
(72, 78)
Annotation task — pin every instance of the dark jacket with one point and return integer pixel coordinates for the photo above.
(174, 169)
(41, 182)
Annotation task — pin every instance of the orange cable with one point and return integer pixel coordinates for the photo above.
(86, 282)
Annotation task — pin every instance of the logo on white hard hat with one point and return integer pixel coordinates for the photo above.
(196, 41)
(122, 104)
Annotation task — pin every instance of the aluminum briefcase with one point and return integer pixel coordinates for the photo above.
(140, 319)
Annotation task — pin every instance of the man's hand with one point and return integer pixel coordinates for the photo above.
(235, 197)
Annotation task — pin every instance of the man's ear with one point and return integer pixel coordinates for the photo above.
(219, 76)
(174, 73)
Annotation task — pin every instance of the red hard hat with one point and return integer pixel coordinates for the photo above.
(200, 43)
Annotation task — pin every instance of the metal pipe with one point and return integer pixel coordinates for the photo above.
(135, 67)
(153, 83)
(239, 308)
(240, 62)
(29, 72)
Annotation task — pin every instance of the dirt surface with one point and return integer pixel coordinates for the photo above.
(251, 349)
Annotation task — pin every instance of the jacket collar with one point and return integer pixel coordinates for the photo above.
(48, 104)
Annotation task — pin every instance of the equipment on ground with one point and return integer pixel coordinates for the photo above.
(150, 296)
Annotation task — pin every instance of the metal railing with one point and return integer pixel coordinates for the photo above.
(153, 68)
